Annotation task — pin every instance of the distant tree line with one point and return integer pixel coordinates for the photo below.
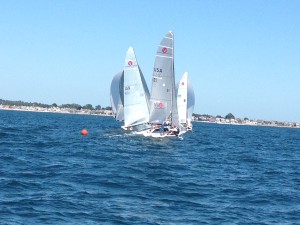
(71, 106)
(228, 116)
(21, 103)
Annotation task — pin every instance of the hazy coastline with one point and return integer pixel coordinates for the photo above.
(100, 112)
(196, 118)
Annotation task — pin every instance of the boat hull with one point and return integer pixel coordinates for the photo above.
(157, 134)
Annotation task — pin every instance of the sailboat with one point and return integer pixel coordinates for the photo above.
(144, 113)
(129, 85)
(136, 94)
(185, 102)
(163, 103)
(117, 96)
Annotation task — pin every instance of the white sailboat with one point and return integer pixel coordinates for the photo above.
(145, 113)
(129, 95)
(136, 94)
(117, 96)
(163, 103)
(185, 102)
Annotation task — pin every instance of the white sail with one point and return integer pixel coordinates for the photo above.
(191, 103)
(136, 94)
(185, 100)
(163, 102)
(182, 99)
(117, 95)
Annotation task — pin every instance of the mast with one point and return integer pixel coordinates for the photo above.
(172, 98)
(175, 118)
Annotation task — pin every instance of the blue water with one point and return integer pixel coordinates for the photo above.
(218, 174)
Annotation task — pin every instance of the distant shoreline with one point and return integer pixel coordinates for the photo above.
(245, 121)
(247, 124)
(203, 119)
(101, 112)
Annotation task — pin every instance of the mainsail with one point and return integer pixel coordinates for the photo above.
(182, 99)
(117, 95)
(191, 101)
(185, 99)
(136, 93)
(163, 102)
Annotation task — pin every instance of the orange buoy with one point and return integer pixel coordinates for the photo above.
(84, 132)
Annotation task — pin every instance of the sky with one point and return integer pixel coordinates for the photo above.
(243, 57)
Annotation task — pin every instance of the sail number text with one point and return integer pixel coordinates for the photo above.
(157, 70)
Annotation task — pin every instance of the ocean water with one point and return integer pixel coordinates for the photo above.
(218, 174)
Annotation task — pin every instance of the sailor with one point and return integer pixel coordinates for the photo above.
(156, 127)
(166, 125)
(174, 130)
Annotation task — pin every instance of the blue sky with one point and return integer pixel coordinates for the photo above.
(243, 57)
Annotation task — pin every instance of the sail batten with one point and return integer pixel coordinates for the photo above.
(165, 46)
(163, 56)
